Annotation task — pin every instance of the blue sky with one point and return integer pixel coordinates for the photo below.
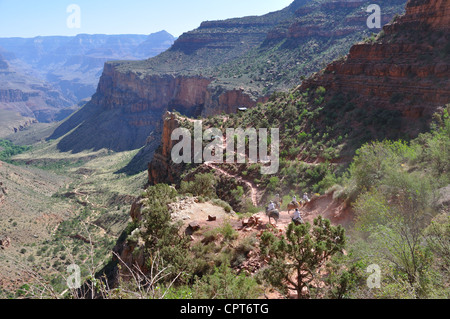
(30, 18)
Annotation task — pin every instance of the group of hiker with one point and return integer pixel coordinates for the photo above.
(275, 205)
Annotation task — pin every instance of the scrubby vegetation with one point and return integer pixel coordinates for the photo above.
(395, 189)
(295, 261)
(190, 270)
(8, 150)
(316, 141)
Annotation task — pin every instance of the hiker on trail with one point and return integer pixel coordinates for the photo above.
(306, 198)
(272, 212)
(271, 207)
(297, 218)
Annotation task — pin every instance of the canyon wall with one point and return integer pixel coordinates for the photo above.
(407, 68)
(189, 95)
(316, 20)
(157, 92)
(24, 94)
(434, 13)
(214, 69)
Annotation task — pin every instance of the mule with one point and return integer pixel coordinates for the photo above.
(275, 214)
(292, 206)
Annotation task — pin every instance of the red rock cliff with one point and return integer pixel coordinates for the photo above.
(190, 95)
(161, 167)
(156, 92)
(406, 68)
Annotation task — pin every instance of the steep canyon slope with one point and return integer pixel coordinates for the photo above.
(387, 87)
(215, 69)
(404, 71)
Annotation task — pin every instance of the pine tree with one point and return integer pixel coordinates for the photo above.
(294, 260)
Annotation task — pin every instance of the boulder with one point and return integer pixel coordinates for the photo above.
(194, 226)
(5, 242)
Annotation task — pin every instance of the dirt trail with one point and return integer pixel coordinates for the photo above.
(253, 188)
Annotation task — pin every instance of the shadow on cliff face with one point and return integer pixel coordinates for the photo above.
(140, 162)
(93, 128)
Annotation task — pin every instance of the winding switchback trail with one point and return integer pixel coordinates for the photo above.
(252, 186)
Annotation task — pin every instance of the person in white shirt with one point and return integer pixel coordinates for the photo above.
(306, 198)
(297, 218)
(271, 207)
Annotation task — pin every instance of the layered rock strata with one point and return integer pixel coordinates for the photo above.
(407, 68)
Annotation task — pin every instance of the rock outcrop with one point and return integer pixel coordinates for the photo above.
(433, 13)
(5, 242)
(3, 191)
(406, 69)
(136, 94)
(191, 95)
(161, 168)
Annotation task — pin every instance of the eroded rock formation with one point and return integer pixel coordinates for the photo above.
(161, 167)
(407, 68)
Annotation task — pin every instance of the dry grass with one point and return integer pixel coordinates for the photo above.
(50, 194)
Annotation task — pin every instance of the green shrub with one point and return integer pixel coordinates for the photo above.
(8, 150)
(273, 184)
(224, 283)
(203, 185)
(227, 232)
(223, 204)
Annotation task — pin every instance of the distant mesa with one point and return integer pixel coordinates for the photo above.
(42, 79)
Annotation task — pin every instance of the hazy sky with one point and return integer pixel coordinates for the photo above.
(30, 18)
